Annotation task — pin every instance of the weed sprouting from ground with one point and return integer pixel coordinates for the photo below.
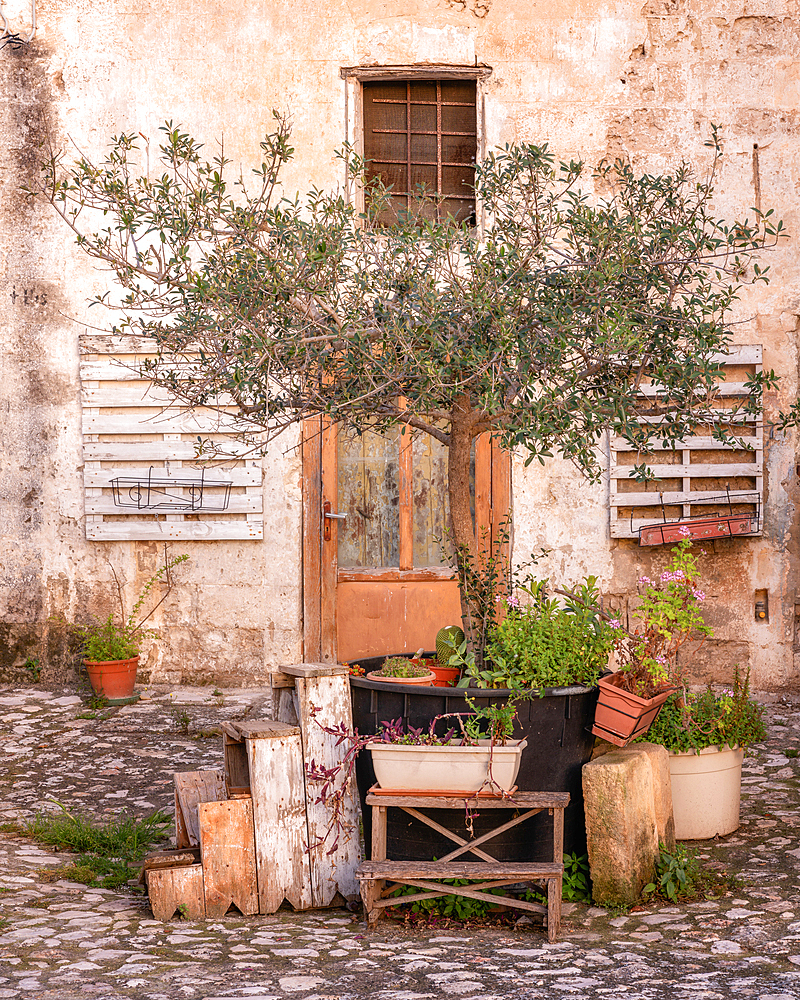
(106, 851)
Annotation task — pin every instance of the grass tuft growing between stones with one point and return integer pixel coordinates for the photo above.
(106, 851)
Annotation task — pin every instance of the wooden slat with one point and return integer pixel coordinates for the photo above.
(160, 450)
(329, 550)
(388, 574)
(237, 505)
(137, 393)
(719, 470)
(312, 538)
(227, 846)
(169, 421)
(526, 800)
(406, 501)
(173, 890)
(693, 444)
(523, 870)
(724, 389)
(277, 782)
(673, 497)
(191, 788)
(104, 343)
(197, 531)
(101, 478)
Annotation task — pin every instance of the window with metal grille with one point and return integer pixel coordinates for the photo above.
(420, 138)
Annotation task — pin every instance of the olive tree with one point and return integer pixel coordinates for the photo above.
(586, 301)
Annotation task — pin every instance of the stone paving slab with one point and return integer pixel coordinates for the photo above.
(61, 940)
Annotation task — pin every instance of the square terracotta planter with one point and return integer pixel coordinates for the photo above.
(621, 716)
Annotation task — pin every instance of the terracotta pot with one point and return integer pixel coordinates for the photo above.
(407, 767)
(445, 676)
(706, 787)
(425, 679)
(621, 716)
(112, 678)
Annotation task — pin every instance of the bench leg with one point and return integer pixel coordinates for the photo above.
(370, 892)
(553, 908)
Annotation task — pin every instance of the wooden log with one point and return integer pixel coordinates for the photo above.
(279, 813)
(176, 889)
(227, 847)
(324, 702)
(191, 788)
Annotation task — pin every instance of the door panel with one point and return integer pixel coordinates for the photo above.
(378, 581)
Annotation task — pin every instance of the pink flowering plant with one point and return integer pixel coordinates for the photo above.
(669, 615)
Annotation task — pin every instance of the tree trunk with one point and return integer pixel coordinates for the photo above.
(463, 420)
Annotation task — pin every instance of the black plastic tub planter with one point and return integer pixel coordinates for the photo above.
(557, 725)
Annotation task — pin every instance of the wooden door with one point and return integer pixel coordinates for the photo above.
(377, 580)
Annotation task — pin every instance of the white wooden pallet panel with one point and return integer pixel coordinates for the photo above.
(162, 438)
(687, 471)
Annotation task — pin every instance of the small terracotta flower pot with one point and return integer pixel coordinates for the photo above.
(428, 679)
(445, 676)
(112, 678)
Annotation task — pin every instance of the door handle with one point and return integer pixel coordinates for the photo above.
(327, 516)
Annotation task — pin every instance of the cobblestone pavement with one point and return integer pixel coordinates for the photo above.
(59, 939)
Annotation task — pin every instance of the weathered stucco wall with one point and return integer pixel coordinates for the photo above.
(643, 80)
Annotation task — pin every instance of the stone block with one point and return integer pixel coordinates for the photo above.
(658, 757)
(621, 827)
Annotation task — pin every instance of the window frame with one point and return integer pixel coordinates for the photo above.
(354, 78)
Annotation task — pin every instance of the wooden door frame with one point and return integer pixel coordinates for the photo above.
(320, 569)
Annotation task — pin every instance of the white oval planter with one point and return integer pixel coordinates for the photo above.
(446, 768)
(706, 788)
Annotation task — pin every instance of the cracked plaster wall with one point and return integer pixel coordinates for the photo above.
(642, 80)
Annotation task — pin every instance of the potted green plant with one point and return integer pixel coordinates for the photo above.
(402, 670)
(706, 735)
(668, 616)
(111, 646)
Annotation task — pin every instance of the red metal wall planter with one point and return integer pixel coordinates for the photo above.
(709, 526)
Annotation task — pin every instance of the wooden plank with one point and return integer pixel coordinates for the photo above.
(526, 800)
(195, 531)
(238, 505)
(173, 890)
(160, 451)
(699, 443)
(723, 389)
(415, 72)
(523, 870)
(227, 846)
(406, 500)
(192, 788)
(164, 421)
(314, 669)
(312, 538)
(324, 702)
(101, 478)
(277, 782)
(674, 497)
(388, 574)
(329, 552)
(483, 486)
(136, 392)
(105, 343)
(501, 494)
(693, 470)
(264, 729)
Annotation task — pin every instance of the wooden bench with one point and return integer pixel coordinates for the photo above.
(489, 873)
